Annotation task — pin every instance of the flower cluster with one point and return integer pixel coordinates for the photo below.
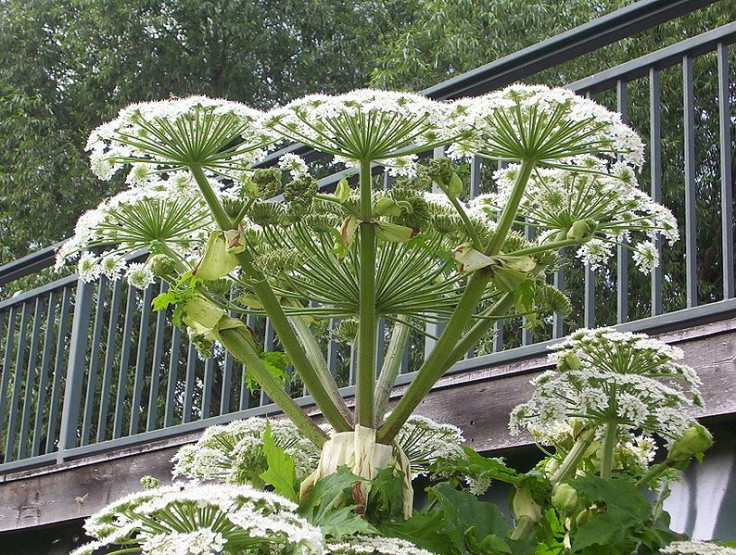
(540, 124)
(164, 215)
(425, 441)
(234, 453)
(202, 519)
(594, 204)
(605, 376)
(697, 548)
(372, 125)
(175, 133)
(374, 545)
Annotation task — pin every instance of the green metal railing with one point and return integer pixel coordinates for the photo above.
(88, 367)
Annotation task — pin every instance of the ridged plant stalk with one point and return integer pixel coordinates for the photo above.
(367, 313)
(390, 369)
(445, 353)
(243, 350)
(276, 314)
(317, 359)
(609, 444)
(569, 464)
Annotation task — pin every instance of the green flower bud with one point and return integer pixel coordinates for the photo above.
(201, 317)
(268, 181)
(582, 229)
(565, 498)
(162, 266)
(387, 206)
(232, 207)
(347, 330)
(149, 482)
(693, 442)
(524, 505)
(267, 213)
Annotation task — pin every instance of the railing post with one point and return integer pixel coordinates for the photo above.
(75, 368)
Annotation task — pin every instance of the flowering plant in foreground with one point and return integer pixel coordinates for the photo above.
(408, 255)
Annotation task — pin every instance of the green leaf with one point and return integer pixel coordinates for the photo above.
(329, 506)
(281, 473)
(277, 364)
(469, 521)
(385, 499)
(524, 296)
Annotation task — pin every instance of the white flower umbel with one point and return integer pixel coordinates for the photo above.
(164, 215)
(425, 441)
(234, 452)
(697, 548)
(375, 545)
(596, 205)
(214, 134)
(204, 519)
(294, 164)
(369, 125)
(139, 276)
(609, 377)
(542, 125)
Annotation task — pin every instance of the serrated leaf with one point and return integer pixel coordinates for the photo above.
(329, 506)
(469, 521)
(281, 473)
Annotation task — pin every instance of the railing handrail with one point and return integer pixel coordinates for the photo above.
(581, 40)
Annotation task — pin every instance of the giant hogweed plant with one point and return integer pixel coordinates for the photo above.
(361, 253)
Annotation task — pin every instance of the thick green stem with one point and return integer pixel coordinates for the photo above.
(314, 354)
(276, 314)
(556, 245)
(509, 212)
(445, 351)
(570, 463)
(367, 314)
(653, 473)
(609, 444)
(469, 227)
(243, 350)
(437, 362)
(390, 369)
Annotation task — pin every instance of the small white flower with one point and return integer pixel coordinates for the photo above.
(139, 276)
(295, 165)
(89, 267)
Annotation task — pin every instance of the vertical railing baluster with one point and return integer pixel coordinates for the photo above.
(558, 323)
(724, 125)
(158, 349)
(691, 282)
(189, 382)
(94, 362)
(17, 382)
(75, 368)
(475, 184)
(527, 335)
(209, 371)
(173, 377)
(589, 302)
(498, 327)
(25, 423)
(7, 363)
(64, 315)
(122, 387)
(622, 252)
(433, 328)
(140, 361)
(655, 154)
(107, 374)
(43, 379)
